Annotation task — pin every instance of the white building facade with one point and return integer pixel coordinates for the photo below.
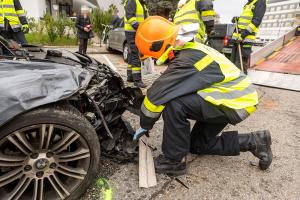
(281, 16)
(38, 8)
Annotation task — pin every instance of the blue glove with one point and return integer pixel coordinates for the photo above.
(139, 133)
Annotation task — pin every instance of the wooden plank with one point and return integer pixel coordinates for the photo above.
(150, 168)
(147, 177)
(143, 180)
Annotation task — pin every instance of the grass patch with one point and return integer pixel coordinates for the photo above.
(43, 39)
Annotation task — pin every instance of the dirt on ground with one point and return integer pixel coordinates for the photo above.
(217, 177)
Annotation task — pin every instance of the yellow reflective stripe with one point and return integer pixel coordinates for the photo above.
(208, 13)
(151, 107)
(251, 37)
(203, 63)
(136, 69)
(253, 28)
(245, 83)
(20, 12)
(237, 103)
(251, 109)
(131, 20)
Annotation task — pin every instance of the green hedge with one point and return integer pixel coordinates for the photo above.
(43, 39)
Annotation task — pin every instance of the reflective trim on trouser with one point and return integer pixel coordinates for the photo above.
(133, 56)
(178, 140)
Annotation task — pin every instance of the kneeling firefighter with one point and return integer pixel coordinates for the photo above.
(199, 84)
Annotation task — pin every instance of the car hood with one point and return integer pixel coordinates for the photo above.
(25, 85)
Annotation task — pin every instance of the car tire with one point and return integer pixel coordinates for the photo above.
(125, 52)
(80, 152)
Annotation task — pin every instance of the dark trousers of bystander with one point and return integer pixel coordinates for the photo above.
(83, 43)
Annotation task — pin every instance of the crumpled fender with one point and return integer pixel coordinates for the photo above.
(25, 85)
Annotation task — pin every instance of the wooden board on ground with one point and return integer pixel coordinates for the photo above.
(147, 177)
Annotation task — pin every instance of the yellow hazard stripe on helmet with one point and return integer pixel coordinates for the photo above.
(208, 13)
(203, 63)
(151, 107)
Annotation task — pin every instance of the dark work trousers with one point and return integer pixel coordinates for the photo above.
(18, 36)
(134, 63)
(178, 140)
(246, 53)
(83, 43)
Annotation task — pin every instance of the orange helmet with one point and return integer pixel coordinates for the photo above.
(154, 36)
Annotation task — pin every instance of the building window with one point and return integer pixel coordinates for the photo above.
(292, 6)
(276, 17)
(283, 16)
(278, 8)
(272, 9)
(290, 15)
(271, 17)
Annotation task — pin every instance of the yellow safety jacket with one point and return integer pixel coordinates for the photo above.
(213, 77)
(188, 14)
(245, 23)
(8, 11)
(139, 16)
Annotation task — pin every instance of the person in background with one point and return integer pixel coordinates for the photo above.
(196, 18)
(115, 19)
(135, 12)
(248, 25)
(83, 23)
(13, 22)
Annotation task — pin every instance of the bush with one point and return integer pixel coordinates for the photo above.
(99, 17)
(51, 28)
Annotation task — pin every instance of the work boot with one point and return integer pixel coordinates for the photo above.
(140, 84)
(164, 165)
(259, 144)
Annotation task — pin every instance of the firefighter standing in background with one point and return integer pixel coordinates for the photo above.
(248, 24)
(135, 13)
(199, 84)
(196, 17)
(13, 22)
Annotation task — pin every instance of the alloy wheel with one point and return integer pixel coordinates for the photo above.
(45, 161)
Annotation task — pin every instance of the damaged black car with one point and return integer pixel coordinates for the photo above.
(57, 111)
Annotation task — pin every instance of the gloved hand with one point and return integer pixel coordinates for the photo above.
(139, 133)
(244, 33)
(25, 28)
(236, 38)
(234, 19)
(136, 25)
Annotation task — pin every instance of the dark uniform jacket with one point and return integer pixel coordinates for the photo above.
(193, 71)
(130, 9)
(205, 5)
(258, 15)
(82, 22)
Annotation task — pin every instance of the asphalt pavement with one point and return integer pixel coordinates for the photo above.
(217, 177)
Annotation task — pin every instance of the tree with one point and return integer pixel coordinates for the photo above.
(164, 8)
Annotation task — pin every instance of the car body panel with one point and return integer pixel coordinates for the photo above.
(25, 85)
(117, 38)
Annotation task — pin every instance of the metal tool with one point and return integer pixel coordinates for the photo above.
(239, 46)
